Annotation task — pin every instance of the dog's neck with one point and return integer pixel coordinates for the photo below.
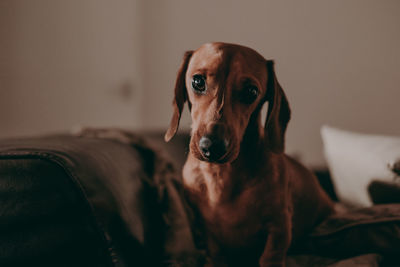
(221, 181)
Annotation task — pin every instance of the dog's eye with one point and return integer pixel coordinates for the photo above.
(199, 83)
(250, 94)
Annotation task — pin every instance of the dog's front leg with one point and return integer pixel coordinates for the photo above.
(278, 242)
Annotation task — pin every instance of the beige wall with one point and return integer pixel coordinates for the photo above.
(68, 63)
(64, 63)
(338, 61)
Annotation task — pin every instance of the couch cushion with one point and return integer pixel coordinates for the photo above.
(43, 220)
(369, 230)
(355, 159)
(75, 201)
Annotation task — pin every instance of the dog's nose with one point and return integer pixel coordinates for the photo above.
(212, 148)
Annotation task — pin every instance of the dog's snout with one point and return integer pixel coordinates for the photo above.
(213, 148)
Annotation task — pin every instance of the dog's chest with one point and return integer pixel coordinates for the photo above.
(233, 215)
(237, 223)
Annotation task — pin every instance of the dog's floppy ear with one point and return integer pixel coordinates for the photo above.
(179, 98)
(278, 113)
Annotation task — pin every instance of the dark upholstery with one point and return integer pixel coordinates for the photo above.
(68, 201)
(42, 218)
(368, 230)
(383, 192)
(81, 201)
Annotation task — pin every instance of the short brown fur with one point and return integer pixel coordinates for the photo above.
(254, 200)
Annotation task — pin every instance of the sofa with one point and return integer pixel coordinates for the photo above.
(114, 198)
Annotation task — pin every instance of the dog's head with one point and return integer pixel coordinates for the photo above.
(226, 86)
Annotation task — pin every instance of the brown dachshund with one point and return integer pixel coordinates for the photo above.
(252, 199)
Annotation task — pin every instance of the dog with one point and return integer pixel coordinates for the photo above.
(252, 199)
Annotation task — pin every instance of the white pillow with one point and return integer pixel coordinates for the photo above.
(355, 159)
